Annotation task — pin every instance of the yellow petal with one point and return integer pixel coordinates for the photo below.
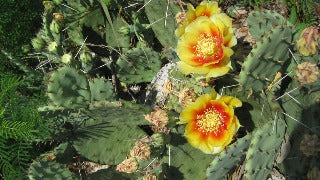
(220, 69)
(189, 113)
(231, 101)
(187, 69)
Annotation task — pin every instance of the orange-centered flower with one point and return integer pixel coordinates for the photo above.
(211, 123)
(205, 46)
(204, 9)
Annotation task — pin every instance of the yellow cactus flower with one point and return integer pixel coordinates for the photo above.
(204, 9)
(205, 47)
(308, 41)
(211, 123)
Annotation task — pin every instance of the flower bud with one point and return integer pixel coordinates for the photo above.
(57, 2)
(85, 57)
(53, 47)
(58, 17)
(55, 27)
(48, 5)
(66, 58)
(37, 43)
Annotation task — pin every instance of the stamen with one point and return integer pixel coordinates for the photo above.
(210, 121)
(206, 46)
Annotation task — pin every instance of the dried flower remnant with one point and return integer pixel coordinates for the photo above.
(307, 73)
(308, 41)
(310, 145)
(129, 165)
(313, 174)
(187, 96)
(141, 151)
(211, 123)
(158, 120)
(149, 177)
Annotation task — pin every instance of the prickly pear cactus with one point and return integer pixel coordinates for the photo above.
(266, 59)
(49, 170)
(69, 88)
(260, 23)
(101, 89)
(263, 150)
(138, 65)
(184, 161)
(161, 15)
(120, 129)
(228, 159)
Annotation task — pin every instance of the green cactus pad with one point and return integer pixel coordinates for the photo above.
(43, 169)
(120, 125)
(116, 39)
(164, 26)
(266, 59)
(260, 23)
(264, 148)
(101, 89)
(107, 174)
(138, 65)
(186, 162)
(69, 88)
(228, 159)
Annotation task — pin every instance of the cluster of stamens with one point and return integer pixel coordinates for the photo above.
(209, 121)
(206, 46)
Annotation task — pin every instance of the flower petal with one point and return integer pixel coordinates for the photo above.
(220, 68)
(190, 112)
(231, 101)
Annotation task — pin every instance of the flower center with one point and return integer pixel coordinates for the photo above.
(206, 46)
(209, 121)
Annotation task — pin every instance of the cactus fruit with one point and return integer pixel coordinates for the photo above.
(228, 158)
(101, 89)
(138, 65)
(69, 88)
(263, 150)
(49, 170)
(164, 11)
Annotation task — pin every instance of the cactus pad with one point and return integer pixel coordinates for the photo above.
(163, 18)
(138, 65)
(266, 59)
(263, 150)
(101, 89)
(120, 130)
(228, 159)
(69, 88)
(49, 170)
